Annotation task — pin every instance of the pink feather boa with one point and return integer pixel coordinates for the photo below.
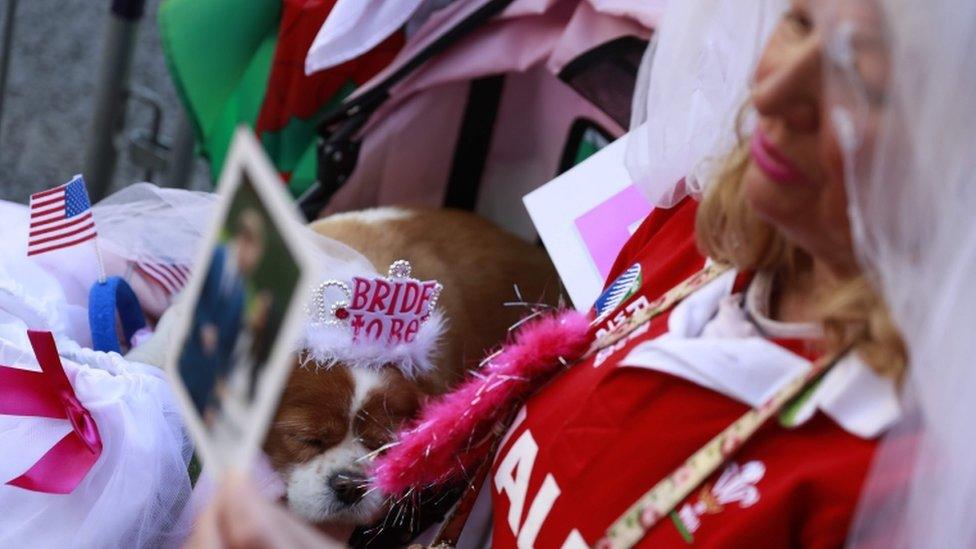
(453, 431)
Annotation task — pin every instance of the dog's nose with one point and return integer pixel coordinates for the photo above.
(349, 486)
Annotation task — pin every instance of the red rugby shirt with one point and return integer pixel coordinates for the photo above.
(589, 444)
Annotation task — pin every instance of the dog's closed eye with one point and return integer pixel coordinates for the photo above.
(312, 442)
(304, 441)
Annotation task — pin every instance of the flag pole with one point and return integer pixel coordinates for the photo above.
(102, 277)
(101, 262)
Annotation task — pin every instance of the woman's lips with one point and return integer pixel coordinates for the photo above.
(772, 162)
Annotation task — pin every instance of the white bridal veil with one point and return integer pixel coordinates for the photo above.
(901, 79)
(693, 81)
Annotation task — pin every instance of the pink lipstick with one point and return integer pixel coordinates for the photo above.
(771, 161)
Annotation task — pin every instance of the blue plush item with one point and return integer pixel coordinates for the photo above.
(105, 299)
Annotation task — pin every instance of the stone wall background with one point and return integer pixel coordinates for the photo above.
(46, 115)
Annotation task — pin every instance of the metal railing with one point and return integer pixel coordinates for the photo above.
(113, 94)
(8, 39)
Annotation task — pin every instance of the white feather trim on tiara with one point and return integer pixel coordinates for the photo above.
(374, 322)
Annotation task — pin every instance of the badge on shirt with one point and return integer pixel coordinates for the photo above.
(619, 291)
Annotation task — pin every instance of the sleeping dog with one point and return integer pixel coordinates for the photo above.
(346, 398)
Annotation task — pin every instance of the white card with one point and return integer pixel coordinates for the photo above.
(242, 311)
(584, 218)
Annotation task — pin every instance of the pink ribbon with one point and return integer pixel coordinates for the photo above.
(48, 393)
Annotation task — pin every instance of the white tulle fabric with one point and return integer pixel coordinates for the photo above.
(911, 176)
(143, 222)
(134, 494)
(693, 82)
(140, 223)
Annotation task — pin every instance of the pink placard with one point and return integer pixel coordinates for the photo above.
(607, 227)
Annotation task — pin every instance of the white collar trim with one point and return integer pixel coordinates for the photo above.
(751, 369)
(757, 305)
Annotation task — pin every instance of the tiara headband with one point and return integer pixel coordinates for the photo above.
(376, 321)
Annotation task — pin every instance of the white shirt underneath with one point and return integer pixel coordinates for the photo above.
(721, 341)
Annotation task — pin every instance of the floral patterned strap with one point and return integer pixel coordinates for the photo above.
(658, 306)
(631, 527)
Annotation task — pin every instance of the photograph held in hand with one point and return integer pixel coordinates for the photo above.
(242, 312)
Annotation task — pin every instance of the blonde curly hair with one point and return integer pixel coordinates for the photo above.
(853, 314)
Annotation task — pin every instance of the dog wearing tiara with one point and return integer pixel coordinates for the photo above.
(377, 345)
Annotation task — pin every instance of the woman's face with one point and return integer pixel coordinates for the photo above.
(795, 175)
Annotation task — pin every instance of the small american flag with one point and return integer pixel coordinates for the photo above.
(170, 277)
(60, 218)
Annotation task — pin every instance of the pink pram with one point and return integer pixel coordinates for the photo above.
(488, 100)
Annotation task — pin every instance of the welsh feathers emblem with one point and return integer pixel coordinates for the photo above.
(736, 485)
(622, 288)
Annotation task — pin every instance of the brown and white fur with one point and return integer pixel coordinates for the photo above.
(330, 419)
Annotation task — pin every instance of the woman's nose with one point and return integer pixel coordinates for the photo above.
(789, 89)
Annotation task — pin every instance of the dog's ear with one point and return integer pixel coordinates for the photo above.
(313, 414)
(387, 408)
(403, 394)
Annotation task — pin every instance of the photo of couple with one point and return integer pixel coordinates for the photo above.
(249, 282)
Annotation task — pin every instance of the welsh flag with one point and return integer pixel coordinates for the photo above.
(235, 61)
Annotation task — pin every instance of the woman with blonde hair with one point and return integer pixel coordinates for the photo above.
(658, 447)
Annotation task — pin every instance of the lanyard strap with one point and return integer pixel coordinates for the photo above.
(660, 305)
(660, 500)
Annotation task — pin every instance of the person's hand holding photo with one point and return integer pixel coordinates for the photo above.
(240, 516)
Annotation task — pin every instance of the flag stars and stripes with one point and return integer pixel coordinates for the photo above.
(60, 218)
(168, 276)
